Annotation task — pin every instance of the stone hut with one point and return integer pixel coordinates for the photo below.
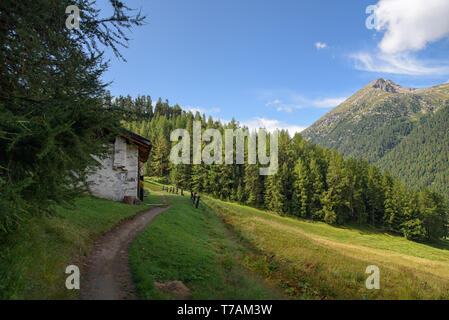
(119, 178)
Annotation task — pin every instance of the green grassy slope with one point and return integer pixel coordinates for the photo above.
(33, 259)
(223, 251)
(318, 261)
(192, 246)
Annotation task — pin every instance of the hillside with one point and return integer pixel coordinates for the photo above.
(224, 249)
(314, 260)
(399, 129)
(311, 182)
(34, 257)
(194, 247)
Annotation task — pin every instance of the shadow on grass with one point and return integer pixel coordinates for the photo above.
(362, 230)
(442, 244)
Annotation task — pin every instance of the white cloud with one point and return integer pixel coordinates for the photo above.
(271, 125)
(401, 63)
(410, 25)
(273, 103)
(289, 100)
(286, 109)
(279, 105)
(329, 102)
(320, 45)
(201, 110)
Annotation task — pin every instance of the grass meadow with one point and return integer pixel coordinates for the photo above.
(33, 258)
(311, 260)
(222, 250)
(193, 246)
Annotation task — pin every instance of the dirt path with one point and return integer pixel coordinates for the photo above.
(108, 276)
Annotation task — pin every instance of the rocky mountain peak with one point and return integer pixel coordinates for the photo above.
(390, 86)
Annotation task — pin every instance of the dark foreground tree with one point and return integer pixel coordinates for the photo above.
(52, 116)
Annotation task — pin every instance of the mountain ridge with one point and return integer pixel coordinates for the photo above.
(379, 121)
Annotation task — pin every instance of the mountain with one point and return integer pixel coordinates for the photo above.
(403, 130)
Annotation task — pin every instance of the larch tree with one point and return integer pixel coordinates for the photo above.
(52, 101)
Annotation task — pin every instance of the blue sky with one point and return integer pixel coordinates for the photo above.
(278, 63)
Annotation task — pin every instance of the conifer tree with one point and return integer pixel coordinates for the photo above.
(375, 197)
(395, 206)
(159, 157)
(302, 189)
(53, 105)
(310, 182)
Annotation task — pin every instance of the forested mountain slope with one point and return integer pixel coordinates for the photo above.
(403, 130)
(310, 182)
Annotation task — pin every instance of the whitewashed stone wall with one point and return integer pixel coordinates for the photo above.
(118, 176)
